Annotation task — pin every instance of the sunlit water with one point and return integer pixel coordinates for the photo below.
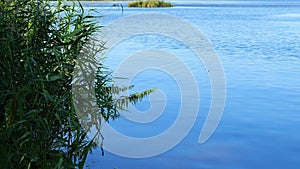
(259, 46)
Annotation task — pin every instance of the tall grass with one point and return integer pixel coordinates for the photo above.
(39, 46)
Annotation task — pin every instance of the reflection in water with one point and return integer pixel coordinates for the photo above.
(259, 46)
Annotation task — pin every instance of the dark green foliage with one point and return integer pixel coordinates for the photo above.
(149, 4)
(39, 46)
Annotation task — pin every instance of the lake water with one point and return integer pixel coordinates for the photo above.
(258, 44)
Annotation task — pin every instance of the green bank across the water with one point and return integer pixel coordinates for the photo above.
(149, 4)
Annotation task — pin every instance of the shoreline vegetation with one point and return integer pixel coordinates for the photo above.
(47, 105)
(149, 4)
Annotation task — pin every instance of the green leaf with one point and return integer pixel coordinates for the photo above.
(54, 77)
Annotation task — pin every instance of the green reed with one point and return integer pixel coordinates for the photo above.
(39, 46)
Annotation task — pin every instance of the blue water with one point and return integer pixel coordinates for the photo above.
(259, 47)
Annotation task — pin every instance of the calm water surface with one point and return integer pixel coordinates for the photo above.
(259, 46)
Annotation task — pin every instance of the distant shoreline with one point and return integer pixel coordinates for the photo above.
(200, 3)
